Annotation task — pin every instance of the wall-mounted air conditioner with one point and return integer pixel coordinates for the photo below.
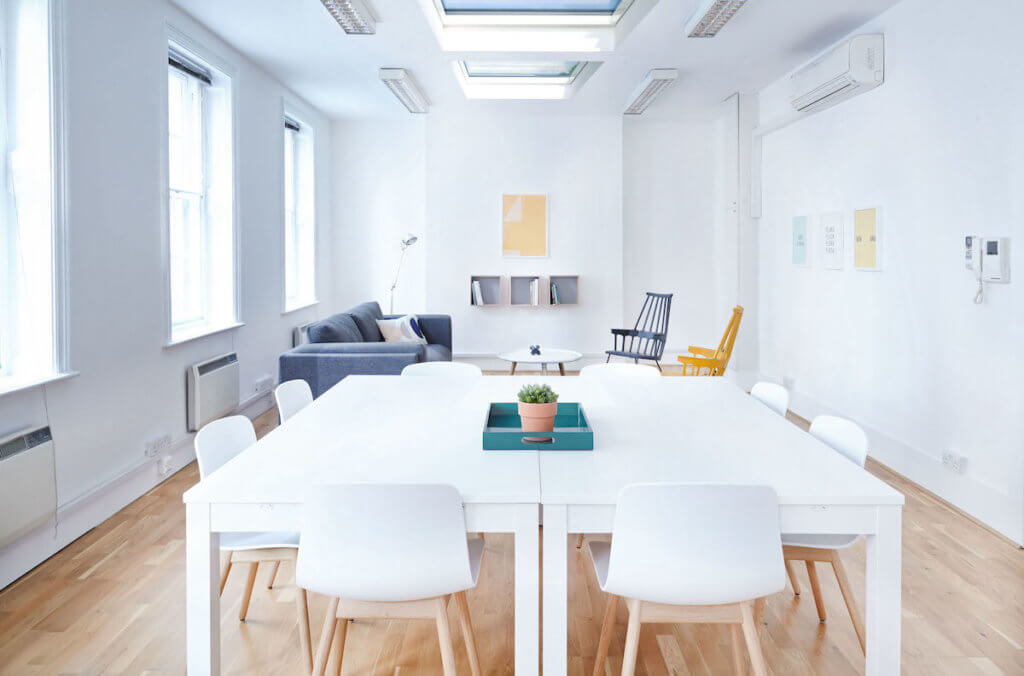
(211, 390)
(28, 493)
(852, 68)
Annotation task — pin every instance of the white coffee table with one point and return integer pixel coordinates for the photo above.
(547, 356)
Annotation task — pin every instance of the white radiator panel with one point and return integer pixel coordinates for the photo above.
(212, 390)
(28, 492)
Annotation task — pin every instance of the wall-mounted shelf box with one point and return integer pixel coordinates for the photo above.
(519, 290)
(490, 289)
(564, 289)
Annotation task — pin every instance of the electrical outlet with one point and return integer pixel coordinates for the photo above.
(157, 444)
(263, 384)
(956, 463)
(163, 465)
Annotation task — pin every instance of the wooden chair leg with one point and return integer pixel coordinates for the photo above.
(273, 574)
(819, 603)
(851, 602)
(323, 649)
(579, 542)
(305, 643)
(792, 578)
(444, 636)
(225, 569)
(606, 634)
(753, 642)
(247, 593)
(738, 667)
(462, 608)
(632, 638)
(340, 632)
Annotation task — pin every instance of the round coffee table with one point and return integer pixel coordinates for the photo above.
(546, 356)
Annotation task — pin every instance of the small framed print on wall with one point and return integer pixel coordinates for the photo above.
(801, 255)
(832, 240)
(867, 239)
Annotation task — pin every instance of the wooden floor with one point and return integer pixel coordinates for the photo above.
(113, 603)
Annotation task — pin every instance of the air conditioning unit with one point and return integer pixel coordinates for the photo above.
(852, 68)
(28, 490)
(299, 335)
(211, 390)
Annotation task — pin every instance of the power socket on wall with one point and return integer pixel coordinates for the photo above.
(157, 444)
(163, 465)
(956, 463)
(263, 384)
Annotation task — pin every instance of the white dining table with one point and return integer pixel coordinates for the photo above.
(392, 429)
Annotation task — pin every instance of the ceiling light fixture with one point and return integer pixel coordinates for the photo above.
(710, 16)
(404, 88)
(353, 16)
(656, 81)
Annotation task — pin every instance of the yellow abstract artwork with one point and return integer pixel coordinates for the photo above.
(524, 225)
(865, 239)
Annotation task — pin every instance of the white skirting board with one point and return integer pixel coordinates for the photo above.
(87, 511)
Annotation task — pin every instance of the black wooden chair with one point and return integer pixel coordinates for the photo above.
(646, 340)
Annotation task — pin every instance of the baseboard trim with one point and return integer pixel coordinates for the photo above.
(86, 511)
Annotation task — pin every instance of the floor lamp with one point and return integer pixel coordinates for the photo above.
(406, 242)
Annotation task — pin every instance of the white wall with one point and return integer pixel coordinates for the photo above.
(904, 351)
(130, 388)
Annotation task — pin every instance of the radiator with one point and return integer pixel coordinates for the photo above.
(211, 390)
(28, 493)
(299, 335)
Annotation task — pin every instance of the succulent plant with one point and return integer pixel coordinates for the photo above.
(537, 394)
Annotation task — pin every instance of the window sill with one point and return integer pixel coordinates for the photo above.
(188, 336)
(10, 385)
(301, 306)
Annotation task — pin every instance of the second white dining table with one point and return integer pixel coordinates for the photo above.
(392, 429)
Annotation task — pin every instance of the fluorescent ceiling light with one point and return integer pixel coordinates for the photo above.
(656, 81)
(405, 90)
(352, 15)
(710, 16)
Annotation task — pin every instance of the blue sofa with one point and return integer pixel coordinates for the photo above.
(350, 343)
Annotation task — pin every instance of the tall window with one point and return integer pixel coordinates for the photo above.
(29, 232)
(299, 216)
(200, 228)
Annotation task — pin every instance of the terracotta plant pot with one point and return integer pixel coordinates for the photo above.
(538, 417)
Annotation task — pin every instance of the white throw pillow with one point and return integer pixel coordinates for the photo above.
(404, 329)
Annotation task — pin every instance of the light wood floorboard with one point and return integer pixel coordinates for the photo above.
(113, 603)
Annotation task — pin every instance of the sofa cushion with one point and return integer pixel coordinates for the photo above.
(438, 353)
(404, 329)
(340, 328)
(365, 316)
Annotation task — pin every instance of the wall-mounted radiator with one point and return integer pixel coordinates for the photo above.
(28, 494)
(211, 389)
(299, 335)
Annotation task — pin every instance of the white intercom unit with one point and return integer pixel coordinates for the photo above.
(995, 261)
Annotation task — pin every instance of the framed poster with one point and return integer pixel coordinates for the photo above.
(801, 255)
(524, 226)
(867, 239)
(832, 240)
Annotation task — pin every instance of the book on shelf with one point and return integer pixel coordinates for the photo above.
(554, 293)
(478, 293)
(534, 292)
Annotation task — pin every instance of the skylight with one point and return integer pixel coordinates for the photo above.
(522, 79)
(559, 6)
(551, 69)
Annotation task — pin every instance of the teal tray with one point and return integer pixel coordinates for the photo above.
(503, 430)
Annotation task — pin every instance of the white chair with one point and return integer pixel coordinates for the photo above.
(673, 566)
(217, 443)
(775, 397)
(849, 439)
(619, 371)
(389, 551)
(449, 369)
(292, 396)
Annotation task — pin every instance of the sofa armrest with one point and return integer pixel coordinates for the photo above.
(323, 370)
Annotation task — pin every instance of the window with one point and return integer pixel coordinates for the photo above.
(299, 216)
(31, 241)
(200, 221)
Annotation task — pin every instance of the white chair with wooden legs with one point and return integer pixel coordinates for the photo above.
(447, 369)
(693, 553)
(849, 439)
(618, 370)
(216, 444)
(775, 397)
(292, 396)
(389, 551)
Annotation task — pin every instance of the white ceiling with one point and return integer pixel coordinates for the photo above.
(300, 44)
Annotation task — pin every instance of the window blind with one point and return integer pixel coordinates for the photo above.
(188, 65)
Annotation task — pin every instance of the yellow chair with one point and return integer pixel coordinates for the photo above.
(707, 362)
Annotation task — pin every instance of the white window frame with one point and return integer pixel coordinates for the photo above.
(300, 113)
(60, 366)
(174, 335)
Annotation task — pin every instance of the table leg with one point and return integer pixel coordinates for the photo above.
(202, 587)
(543, 369)
(883, 606)
(513, 372)
(527, 593)
(555, 558)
